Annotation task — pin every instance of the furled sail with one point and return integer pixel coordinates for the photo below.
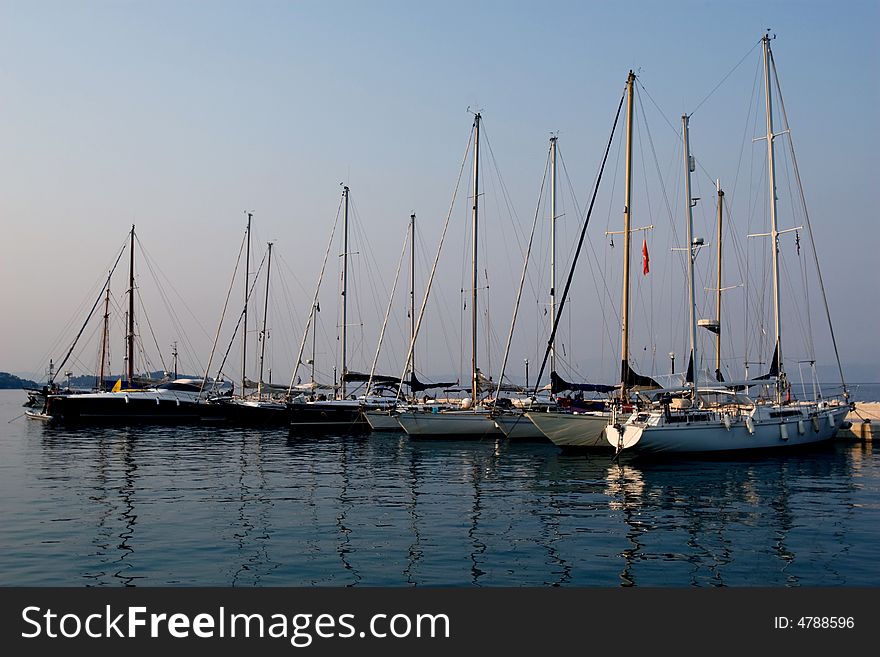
(558, 384)
(634, 381)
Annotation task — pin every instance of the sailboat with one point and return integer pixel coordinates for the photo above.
(721, 418)
(472, 421)
(344, 412)
(585, 428)
(510, 417)
(256, 408)
(384, 418)
(175, 401)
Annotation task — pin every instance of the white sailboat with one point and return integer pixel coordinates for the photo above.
(715, 419)
(472, 421)
(512, 421)
(384, 417)
(586, 430)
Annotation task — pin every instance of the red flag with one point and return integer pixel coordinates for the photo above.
(645, 257)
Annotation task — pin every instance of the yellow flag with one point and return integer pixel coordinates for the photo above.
(117, 386)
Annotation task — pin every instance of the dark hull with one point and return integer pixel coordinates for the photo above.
(114, 409)
(326, 418)
(229, 412)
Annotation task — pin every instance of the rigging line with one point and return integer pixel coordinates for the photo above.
(580, 244)
(610, 300)
(150, 326)
(223, 314)
(729, 73)
(91, 312)
(522, 280)
(674, 129)
(593, 276)
(175, 320)
(240, 318)
(67, 327)
(800, 187)
(436, 258)
(808, 333)
(372, 275)
(302, 344)
(669, 213)
(149, 259)
(387, 313)
(511, 210)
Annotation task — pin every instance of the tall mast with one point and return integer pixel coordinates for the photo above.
(627, 220)
(104, 335)
(247, 264)
(344, 283)
(552, 248)
(314, 334)
(691, 245)
(475, 384)
(774, 231)
(412, 291)
(263, 334)
(130, 337)
(718, 286)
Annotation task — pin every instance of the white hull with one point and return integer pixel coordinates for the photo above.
(517, 426)
(383, 421)
(569, 430)
(653, 436)
(463, 425)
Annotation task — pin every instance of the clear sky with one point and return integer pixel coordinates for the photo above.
(179, 116)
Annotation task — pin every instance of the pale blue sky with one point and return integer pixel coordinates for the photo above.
(178, 116)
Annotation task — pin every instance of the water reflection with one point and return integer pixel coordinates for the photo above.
(253, 533)
(412, 493)
(346, 504)
(125, 563)
(188, 506)
(625, 488)
(728, 522)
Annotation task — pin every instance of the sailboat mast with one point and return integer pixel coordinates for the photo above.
(718, 281)
(344, 284)
(689, 204)
(130, 337)
(104, 335)
(774, 231)
(475, 384)
(263, 332)
(412, 291)
(627, 220)
(552, 248)
(314, 334)
(247, 264)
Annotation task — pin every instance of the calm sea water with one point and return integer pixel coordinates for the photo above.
(208, 507)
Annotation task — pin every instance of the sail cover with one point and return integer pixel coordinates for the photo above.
(774, 367)
(418, 386)
(634, 381)
(558, 384)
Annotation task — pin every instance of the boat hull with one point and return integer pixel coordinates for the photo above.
(714, 436)
(573, 430)
(518, 426)
(454, 425)
(383, 421)
(244, 413)
(124, 408)
(326, 417)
